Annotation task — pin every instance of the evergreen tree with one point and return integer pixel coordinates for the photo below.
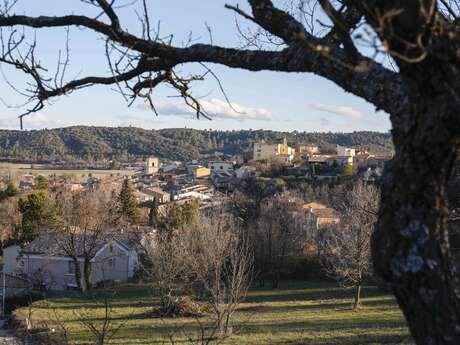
(39, 213)
(174, 219)
(8, 192)
(41, 182)
(190, 211)
(154, 217)
(128, 203)
(178, 216)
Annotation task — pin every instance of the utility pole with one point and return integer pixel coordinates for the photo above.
(3, 287)
(4, 291)
(20, 122)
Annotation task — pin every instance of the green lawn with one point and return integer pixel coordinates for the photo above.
(298, 313)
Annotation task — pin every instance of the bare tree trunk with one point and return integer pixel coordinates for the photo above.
(357, 303)
(78, 277)
(87, 273)
(411, 244)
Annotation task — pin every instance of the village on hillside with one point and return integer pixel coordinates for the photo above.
(257, 172)
(209, 182)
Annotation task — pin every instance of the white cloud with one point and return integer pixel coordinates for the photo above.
(31, 121)
(338, 110)
(215, 108)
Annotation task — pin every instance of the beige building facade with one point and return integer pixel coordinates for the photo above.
(152, 165)
(264, 151)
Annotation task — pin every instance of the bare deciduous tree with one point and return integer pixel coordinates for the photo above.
(278, 235)
(346, 248)
(221, 265)
(87, 220)
(207, 260)
(101, 326)
(420, 90)
(167, 271)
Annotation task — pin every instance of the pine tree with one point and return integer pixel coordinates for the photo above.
(190, 211)
(154, 215)
(39, 213)
(41, 182)
(128, 204)
(8, 192)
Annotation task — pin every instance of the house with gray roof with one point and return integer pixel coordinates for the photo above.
(45, 263)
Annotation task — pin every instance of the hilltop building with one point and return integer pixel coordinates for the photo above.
(345, 151)
(306, 149)
(264, 151)
(198, 171)
(221, 167)
(152, 165)
(320, 215)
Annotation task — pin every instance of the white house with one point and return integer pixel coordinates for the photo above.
(246, 172)
(192, 194)
(345, 151)
(221, 166)
(44, 262)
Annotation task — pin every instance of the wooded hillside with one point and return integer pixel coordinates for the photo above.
(125, 143)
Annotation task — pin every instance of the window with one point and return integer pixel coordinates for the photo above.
(112, 262)
(221, 167)
(110, 248)
(71, 267)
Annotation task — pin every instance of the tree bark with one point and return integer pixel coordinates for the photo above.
(411, 243)
(78, 276)
(87, 274)
(357, 303)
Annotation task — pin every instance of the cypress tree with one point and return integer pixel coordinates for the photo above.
(128, 203)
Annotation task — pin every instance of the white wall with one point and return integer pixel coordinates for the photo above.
(218, 167)
(345, 151)
(10, 255)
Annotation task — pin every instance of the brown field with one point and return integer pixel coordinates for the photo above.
(16, 170)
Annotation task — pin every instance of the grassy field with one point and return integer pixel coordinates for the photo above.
(16, 170)
(310, 313)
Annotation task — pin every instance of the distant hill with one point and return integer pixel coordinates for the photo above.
(126, 143)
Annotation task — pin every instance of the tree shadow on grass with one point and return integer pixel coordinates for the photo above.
(311, 333)
(94, 305)
(325, 298)
(309, 294)
(319, 305)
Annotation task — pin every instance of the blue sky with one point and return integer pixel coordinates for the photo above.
(268, 100)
